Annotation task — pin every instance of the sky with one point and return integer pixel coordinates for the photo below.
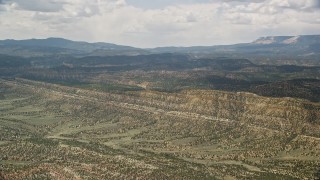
(155, 23)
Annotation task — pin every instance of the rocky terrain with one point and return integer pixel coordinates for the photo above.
(54, 131)
(77, 110)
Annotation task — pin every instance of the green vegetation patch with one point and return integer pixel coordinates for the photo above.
(118, 88)
(93, 146)
(43, 141)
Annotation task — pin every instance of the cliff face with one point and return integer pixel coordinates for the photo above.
(290, 40)
(293, 115)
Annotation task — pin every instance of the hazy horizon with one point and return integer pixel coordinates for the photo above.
(147, 24)
(150, 47)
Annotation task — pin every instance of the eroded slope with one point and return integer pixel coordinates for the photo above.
(56, 132)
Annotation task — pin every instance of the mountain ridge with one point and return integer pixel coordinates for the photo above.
(287, 39)
(60, 46)
(58, 41)
(61, 42)
(274, 49)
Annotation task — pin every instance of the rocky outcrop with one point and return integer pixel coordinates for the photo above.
(293, 115)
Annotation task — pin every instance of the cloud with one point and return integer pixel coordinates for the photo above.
(160, 4)
(175, 22)
(317, 3)
(2, 7)
(245, 1)
(81, 7)
(36, 5)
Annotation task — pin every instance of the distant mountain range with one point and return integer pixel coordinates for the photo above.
(308, 43)
(304, 49)
(306, 39)
(51, 46)
(63, 43)
(278, 49)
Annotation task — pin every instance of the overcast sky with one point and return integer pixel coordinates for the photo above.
(151, 23)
